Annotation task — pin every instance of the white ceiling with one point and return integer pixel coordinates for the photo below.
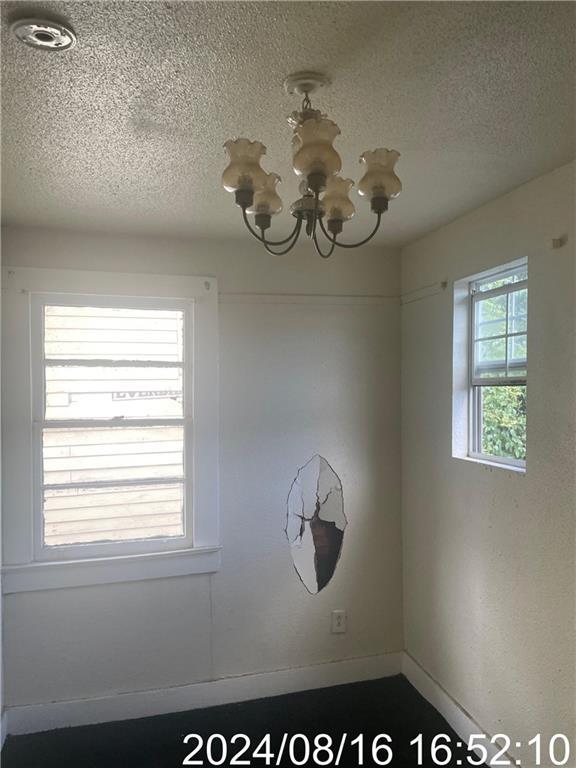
(125, 131)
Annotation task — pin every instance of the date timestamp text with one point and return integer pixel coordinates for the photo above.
(301, 749)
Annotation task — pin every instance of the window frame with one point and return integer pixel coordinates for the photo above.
(475, 384)
(28, 564)
(38, 362)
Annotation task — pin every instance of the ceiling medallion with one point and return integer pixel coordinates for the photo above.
(325, 194)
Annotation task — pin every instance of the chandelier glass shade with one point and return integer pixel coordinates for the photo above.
(336, 203)
(266, 199)
(380, 178)
(325, 204)
(244, 171)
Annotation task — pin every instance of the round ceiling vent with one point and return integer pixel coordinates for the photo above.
(48, 35)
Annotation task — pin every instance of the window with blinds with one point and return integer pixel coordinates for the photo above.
(112, 428)
(499, 364)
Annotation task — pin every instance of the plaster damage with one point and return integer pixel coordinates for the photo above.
(315, 523)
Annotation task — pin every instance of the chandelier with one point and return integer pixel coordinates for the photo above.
(324, 204)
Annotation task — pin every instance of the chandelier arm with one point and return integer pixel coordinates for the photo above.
(319, 250)
(327, 234)
(353, 245)
(294, 239)
(317, 218)
(261, 238)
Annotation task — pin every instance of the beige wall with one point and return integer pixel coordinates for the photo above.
(296, 379)
(2, 697)
(489, 554)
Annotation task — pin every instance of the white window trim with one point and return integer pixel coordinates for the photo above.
(111, 549)
(28, 566)
(463, 415)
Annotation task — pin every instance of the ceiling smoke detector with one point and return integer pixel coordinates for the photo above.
(40, 33)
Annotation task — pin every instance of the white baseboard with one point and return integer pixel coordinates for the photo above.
(128, 706)
(457, 717)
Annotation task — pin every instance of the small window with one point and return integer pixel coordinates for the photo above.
(498, 365)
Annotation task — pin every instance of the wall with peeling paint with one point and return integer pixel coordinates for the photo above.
(489, 574)
(299, 376)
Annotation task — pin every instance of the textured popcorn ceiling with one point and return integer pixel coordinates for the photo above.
(125, 132)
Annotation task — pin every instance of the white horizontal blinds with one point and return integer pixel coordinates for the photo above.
(113, 429)
(499, 326)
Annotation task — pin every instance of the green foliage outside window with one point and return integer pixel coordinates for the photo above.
(504, 421)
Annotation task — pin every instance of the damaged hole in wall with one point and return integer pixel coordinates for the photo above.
(315, 523)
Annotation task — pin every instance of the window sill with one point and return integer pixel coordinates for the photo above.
(493, 464)
(37, 576)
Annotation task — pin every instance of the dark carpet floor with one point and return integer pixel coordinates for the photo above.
(388, 706)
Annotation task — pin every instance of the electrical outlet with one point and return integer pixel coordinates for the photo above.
(338, 622)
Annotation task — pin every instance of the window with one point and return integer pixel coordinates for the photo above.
(498, 365)
(123, 426)
(113, 381)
